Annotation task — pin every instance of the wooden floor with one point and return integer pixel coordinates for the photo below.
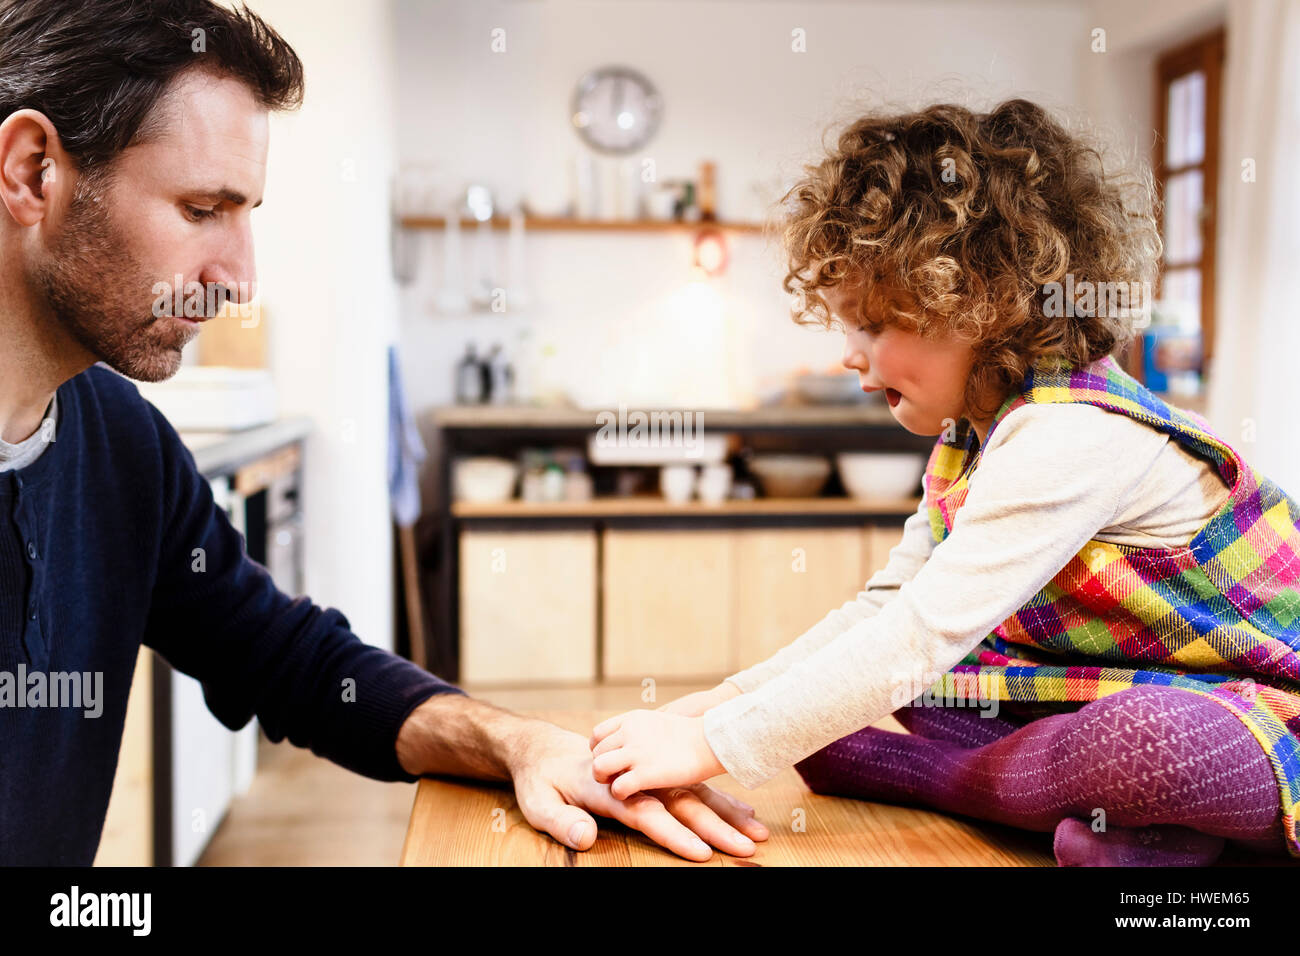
(306, 811)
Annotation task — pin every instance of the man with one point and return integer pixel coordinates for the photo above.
(133, 145)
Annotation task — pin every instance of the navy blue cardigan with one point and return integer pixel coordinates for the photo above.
(99, 552)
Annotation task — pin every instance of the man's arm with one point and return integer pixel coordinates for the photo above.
(457, 735)
(217, 616)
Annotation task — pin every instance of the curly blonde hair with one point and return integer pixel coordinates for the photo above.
(947, 219)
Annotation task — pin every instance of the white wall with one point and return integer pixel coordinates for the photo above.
(628, 327)
(322, 241)
(1119, 83)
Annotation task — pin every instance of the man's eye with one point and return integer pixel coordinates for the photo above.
(197, 213)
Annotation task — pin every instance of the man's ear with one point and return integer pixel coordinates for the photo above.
(33, 166)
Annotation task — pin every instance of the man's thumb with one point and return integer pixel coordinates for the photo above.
(574, 828)
(568, 824)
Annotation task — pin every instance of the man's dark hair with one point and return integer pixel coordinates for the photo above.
(97, 68)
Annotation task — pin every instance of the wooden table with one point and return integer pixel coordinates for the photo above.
(454, 823)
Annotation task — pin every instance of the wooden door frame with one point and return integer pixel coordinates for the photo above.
(1207, 53)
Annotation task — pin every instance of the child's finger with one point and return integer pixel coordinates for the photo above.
(610, 764)
(605, 728)
(612, 742)
(626, 785)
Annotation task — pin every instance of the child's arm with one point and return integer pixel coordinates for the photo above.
(905, 559)
(692, 705)
(1049, 480)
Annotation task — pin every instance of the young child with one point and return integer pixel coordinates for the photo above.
(1096, 560)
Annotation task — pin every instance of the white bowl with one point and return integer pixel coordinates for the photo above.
(878, 474)
(677, 483)
(485, 479)
(790, 476)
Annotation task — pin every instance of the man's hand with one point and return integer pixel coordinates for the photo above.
(647, 749)
(555, 785)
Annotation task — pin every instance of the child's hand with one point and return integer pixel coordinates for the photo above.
(692, 705)
(650, 749)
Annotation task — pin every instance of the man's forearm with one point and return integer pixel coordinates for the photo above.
(455, 734)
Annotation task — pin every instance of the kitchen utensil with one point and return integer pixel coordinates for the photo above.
(790, 476)
(677, 482)
(876, 474)
(451, 297)
(485, 479)
(478, 200)
(518, 295)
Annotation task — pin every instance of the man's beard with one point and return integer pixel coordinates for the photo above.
(100, 294)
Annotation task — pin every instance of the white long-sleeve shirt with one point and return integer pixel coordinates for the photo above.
(1052, 477)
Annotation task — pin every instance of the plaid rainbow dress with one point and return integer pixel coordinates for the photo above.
(1219, 617)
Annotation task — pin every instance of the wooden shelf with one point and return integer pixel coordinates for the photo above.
(560, 224)
(655, 506)
(871, 413)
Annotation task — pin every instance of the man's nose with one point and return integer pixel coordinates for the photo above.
(232, 270)
(236, 285)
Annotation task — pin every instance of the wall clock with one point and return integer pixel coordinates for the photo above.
(616, 110)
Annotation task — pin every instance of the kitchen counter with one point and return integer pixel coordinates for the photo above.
(693, 544)
(458, 823)
(219, 453)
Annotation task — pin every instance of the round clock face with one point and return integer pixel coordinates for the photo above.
(616, 109)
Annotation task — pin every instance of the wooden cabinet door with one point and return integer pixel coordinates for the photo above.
(667, 604)
(786, 580)
(877, 542)
(127, 838)
(527, 606)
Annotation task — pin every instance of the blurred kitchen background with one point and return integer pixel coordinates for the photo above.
(498, 231)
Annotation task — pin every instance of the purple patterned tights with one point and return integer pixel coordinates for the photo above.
(1177, 775)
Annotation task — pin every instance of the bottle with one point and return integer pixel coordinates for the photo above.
(500, 377)
(469, 378)
(553, 482)
(489, 373)
(534, 467)
(577, 482)
(685, 210)
(708, 192)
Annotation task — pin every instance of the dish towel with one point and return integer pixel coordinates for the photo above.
(405, 449)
